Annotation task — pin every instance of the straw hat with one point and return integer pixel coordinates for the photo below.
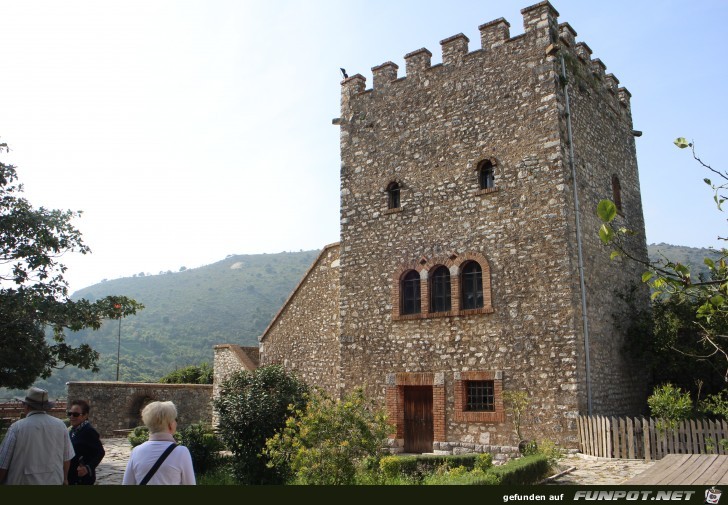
(37, 399)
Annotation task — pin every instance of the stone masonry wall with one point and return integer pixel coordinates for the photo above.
(303, 335)
(604, 148)
(118, 405)
(428, 131)
(228, 359)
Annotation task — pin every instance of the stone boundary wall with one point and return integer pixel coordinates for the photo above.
(11, 411)
(116, 406)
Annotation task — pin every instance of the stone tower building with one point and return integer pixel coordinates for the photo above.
(469, 263)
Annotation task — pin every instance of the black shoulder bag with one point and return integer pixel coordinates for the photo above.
(156, 466)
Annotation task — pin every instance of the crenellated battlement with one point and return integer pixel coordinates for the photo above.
(541, 30)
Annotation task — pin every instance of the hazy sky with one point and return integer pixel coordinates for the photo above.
(189, 130)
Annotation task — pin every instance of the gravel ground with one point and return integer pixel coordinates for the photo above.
(574, 470)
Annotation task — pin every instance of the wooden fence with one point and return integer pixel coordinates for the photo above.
(640, 438)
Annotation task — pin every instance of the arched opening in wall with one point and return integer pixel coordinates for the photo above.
(617, 193)
(409, 289)
(134, 412)
(471, 286)
(393, 190)
(486, 176)
(440, 300)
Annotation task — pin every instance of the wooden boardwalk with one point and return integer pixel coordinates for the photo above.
(685, 469)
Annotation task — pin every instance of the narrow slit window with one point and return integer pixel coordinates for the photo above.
(486, 176)
(393, 195)
(617, 193)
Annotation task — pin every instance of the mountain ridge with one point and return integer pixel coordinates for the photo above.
(230, 301)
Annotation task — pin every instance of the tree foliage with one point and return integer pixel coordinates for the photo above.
(691, 311)
(252, 406)
(330, 440)
(670, 405)
(34, 294)
(192, 374)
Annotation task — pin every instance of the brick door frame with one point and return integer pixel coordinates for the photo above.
(396, 382)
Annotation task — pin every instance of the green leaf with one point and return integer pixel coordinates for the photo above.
(710, 263)
(682, 270)
(708, 181)
(606, 210)
(614, 254)
(681, 142)
(647, 276)
(717, 301)
(606, 234)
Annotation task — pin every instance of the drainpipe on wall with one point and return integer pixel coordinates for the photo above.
(580, 254)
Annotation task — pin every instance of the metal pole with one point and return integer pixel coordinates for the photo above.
(580, 254)
(118, 351)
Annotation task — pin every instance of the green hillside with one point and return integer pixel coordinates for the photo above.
(231, 301)
(186, 313)
(691, 256)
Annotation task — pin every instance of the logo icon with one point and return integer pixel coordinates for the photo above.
(712, 495)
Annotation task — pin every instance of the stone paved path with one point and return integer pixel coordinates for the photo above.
(589, 470)
(578, 469)
(111, 469)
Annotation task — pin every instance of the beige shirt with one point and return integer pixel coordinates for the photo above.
(39, 445)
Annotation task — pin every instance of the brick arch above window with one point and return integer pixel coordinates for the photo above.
(456, 271)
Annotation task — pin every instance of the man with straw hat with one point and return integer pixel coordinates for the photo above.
(36, 449)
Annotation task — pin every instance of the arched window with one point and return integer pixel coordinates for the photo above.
(485, 175)
(617, 193)
(393, 195)
(471, 281)
(410, 293)
(440, 290)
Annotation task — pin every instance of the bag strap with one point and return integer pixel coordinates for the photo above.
(159, 462)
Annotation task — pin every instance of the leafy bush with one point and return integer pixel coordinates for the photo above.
(716, 404)
(484, 461)
(189, 375)
(522, 471)
(138, 435)
(204, 446)
(253, 406)
(330, 440)
(460, 476)
(671, 405)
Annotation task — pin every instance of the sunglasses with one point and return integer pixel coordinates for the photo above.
(74, 414)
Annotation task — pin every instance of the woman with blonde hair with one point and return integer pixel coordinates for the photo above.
(160, 460)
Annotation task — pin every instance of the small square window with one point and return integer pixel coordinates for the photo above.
(480, 396)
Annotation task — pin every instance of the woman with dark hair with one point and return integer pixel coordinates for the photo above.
(86, 443)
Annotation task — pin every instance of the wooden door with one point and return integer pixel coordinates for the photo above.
(418, 427)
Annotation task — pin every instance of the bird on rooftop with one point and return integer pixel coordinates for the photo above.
(343, 72)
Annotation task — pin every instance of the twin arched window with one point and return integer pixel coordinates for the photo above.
(486, 180)
(440, 289)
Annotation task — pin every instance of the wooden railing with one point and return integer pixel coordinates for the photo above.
(640, 437)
